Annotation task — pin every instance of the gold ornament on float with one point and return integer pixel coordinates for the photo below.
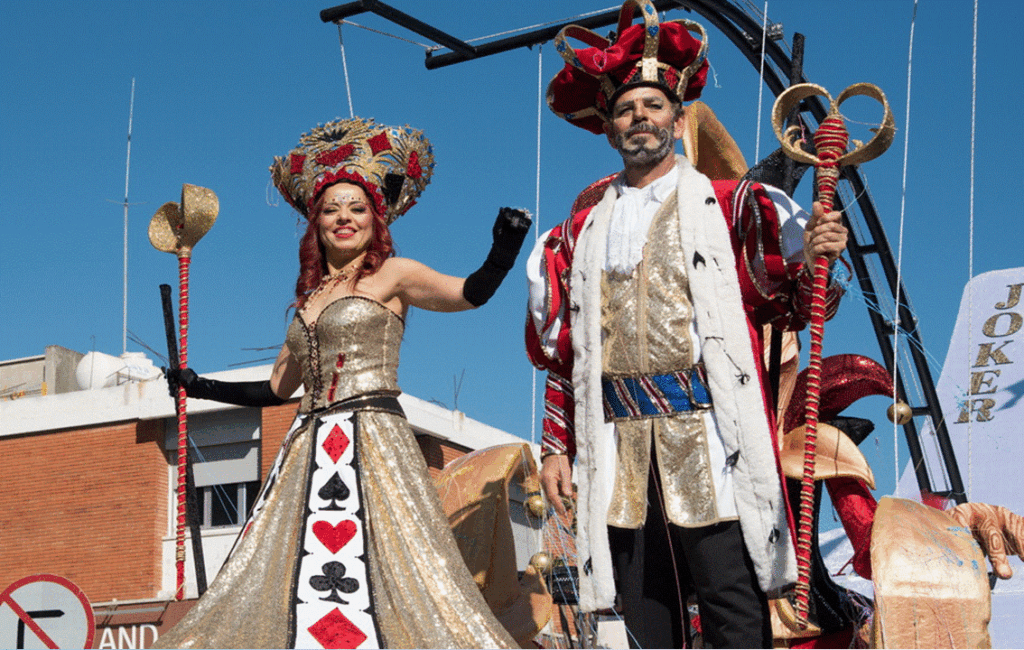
(541, 561)
(899, 412)
(535, 505)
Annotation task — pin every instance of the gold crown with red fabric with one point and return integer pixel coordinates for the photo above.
(392, 164)
(664, 55)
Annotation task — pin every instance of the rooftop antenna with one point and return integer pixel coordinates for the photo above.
(127, 167)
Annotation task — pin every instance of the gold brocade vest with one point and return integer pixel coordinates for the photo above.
(646, 318)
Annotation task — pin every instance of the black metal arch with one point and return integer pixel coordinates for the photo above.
(746, 35)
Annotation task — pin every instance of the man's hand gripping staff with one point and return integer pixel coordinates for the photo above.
(830, 143)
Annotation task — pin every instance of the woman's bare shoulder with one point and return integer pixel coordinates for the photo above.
(399, 267)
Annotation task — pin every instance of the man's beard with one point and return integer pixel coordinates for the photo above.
(639, 154)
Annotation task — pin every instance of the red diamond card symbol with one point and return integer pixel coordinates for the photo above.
(336, 443)
(336, 631)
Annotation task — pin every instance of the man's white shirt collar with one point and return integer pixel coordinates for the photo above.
(631, 218)
(657, 190)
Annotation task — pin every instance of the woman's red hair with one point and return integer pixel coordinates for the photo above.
(312, 262)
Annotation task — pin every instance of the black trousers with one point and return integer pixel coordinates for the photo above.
(658, 565)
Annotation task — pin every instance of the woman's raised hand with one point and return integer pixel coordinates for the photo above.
(509, 231)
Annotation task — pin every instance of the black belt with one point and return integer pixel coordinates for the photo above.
(371, 402)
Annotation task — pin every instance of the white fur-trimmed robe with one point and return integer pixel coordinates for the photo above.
(733, 381)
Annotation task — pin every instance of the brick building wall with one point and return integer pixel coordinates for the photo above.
(438, 453)
(87, 504)
(274, 424)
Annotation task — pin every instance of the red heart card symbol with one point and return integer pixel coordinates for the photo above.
(334, 537)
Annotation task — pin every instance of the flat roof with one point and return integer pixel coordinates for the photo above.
(148, 400)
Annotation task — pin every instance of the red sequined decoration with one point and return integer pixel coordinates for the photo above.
(414, 170)
(297, 161)
(379, 143)
(335, 156)
(336, 631)
(671, 77)
(334, 536)
(845, 378)
(335, 443)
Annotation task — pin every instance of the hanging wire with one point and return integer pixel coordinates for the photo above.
(970, 254)
(344, 67)
(540, 538)
(228, 504)
(760, 83)
(434, 47)
(754, 12)
(517, 30)
(884, 305)
(134, 338)
(536, 225)
(899, 256)
(389, 35)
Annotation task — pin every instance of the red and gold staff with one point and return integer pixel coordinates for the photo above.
(176, 229)
(830, 142)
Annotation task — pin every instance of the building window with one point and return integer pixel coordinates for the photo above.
(225, 454)
(227, 504)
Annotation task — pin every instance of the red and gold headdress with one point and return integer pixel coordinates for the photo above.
(663, 55)
(392, 164)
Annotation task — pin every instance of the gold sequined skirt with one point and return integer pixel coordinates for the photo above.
(423, 596)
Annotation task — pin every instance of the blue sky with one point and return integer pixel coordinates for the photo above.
(223, 87)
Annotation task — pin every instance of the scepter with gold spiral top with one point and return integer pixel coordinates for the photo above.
(831, 141)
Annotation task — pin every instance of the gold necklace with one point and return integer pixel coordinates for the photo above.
(329, 281)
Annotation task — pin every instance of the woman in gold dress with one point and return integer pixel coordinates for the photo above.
(347, 545)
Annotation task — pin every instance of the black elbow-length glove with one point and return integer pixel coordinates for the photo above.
(509, 231)
(240, 393)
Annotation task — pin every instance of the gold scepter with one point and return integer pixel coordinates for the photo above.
(176, 229)
(830, 143)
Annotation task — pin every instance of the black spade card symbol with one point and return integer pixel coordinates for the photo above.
(334, 580)
(334, 490)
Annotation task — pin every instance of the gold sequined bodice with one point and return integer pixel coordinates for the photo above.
(352, 349)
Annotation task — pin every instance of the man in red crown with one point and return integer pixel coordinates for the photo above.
(646, 309)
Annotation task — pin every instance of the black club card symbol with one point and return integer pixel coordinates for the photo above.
(334, 580)
(334, 490)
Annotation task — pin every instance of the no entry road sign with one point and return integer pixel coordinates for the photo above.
(45, 611)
